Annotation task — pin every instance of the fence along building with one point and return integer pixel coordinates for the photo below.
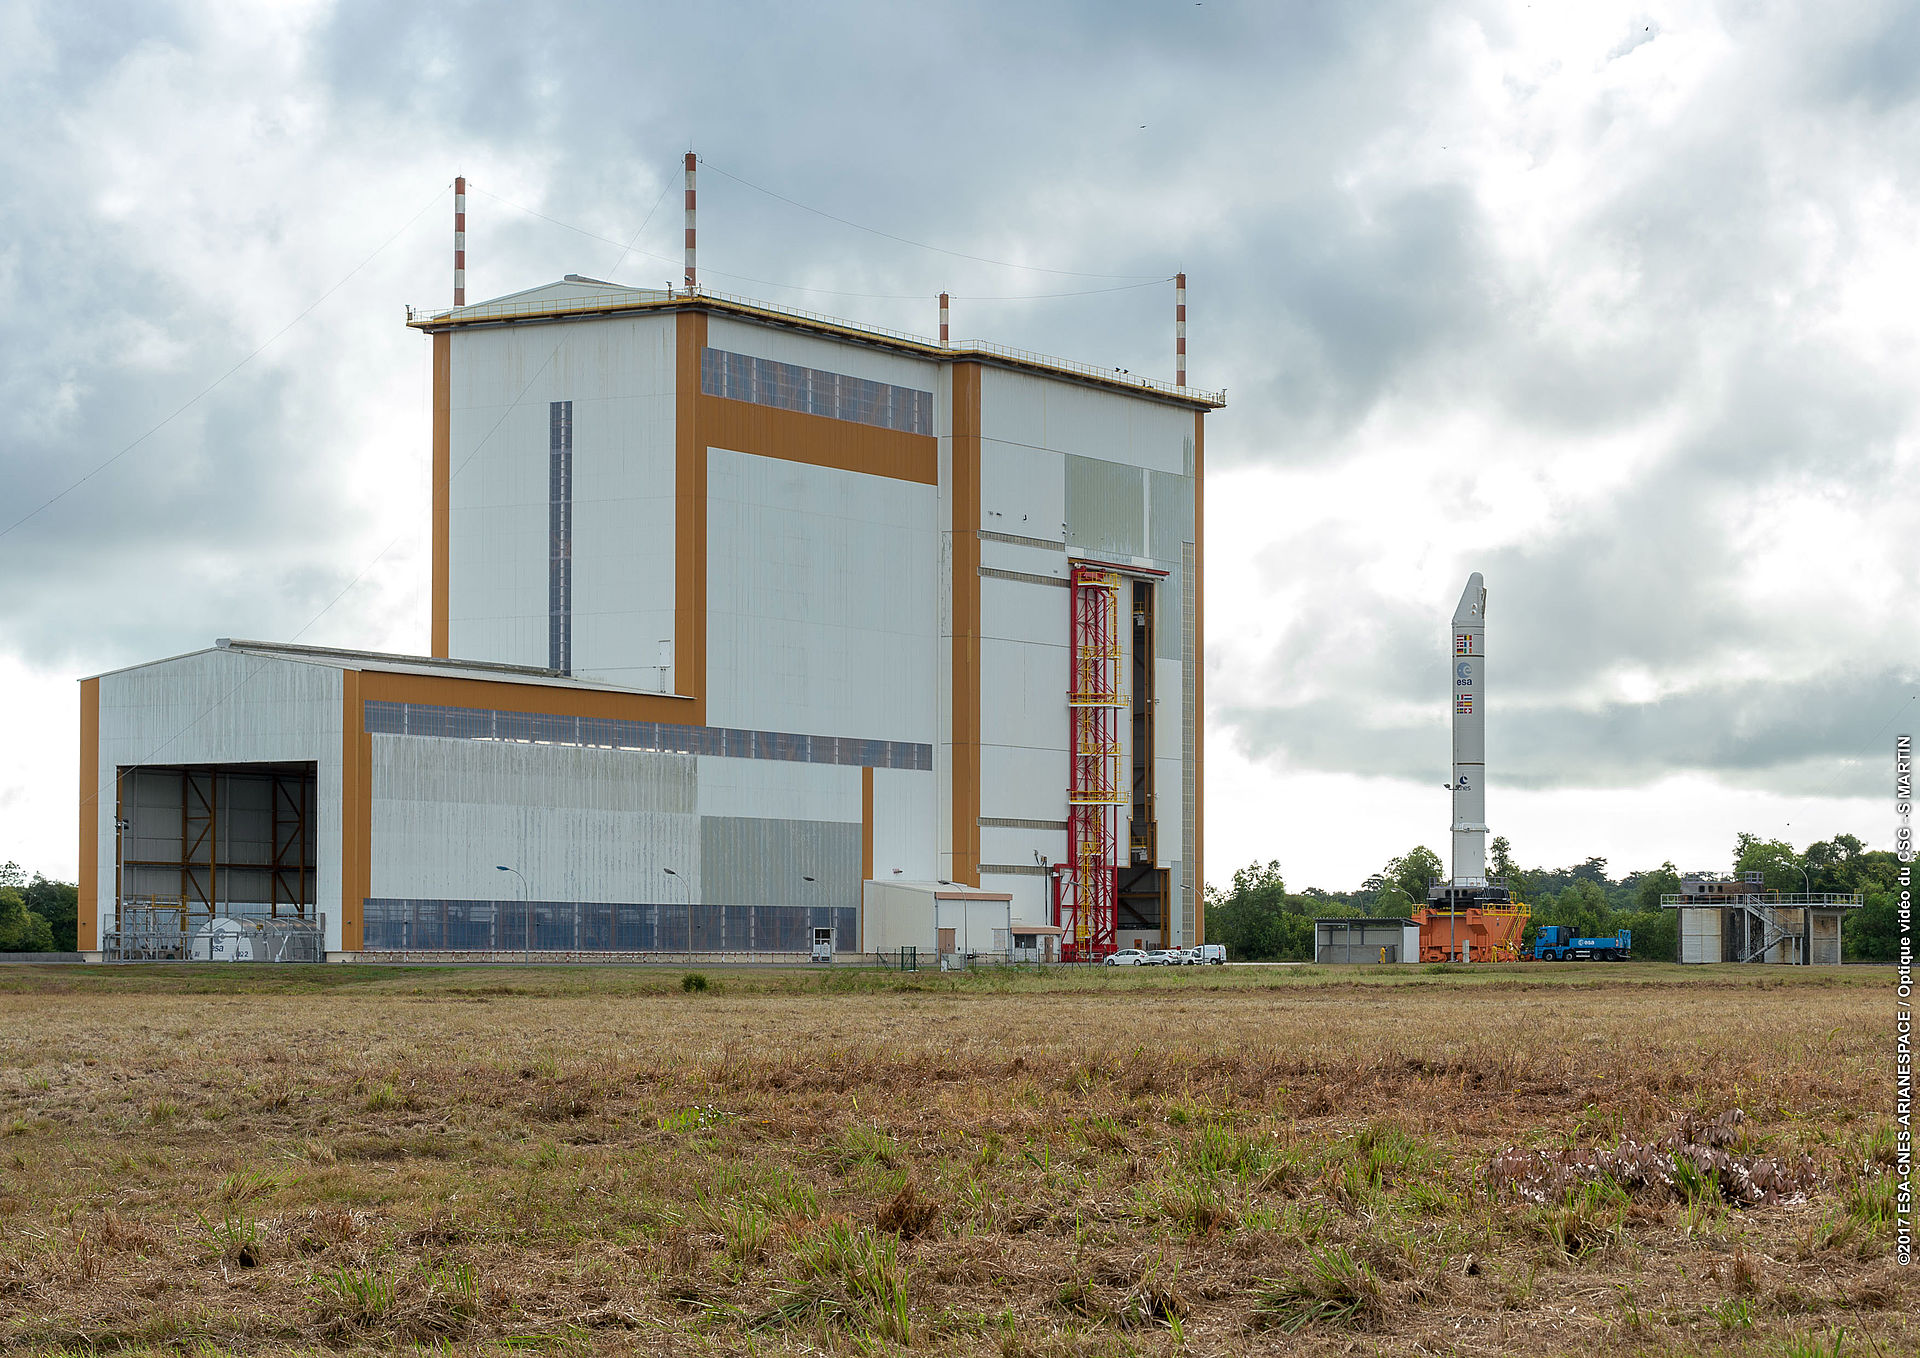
(734, 608)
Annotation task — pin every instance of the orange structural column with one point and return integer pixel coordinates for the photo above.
(965, 527)
(356, 813)
(89, 932)
(690, 514)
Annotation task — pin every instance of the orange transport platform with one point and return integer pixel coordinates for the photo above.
(1473, 933)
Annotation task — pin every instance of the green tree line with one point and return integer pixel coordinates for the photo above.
(1259, 920)
(37, 915)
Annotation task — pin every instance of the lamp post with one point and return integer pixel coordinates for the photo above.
(689, 908)
(526, 907)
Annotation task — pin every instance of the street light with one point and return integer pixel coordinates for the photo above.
(809, 916)
(689, 908)
(526, 906)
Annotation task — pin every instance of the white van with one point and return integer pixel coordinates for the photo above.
(1214, 954)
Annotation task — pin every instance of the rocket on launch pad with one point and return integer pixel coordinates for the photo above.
(1470, 918)
(1470, 736)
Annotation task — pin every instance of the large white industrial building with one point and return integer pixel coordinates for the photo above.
(734, 609)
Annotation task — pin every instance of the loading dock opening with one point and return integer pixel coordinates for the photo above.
(202, 842)
(1144, 889)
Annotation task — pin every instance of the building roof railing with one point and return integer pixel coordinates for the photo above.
(1825, 900)
(613, 300)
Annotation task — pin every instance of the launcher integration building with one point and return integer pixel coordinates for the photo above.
(734, 609)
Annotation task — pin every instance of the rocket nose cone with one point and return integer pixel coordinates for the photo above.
(1473, 602)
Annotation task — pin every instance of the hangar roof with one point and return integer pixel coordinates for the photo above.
(576, 297)
(389, 663)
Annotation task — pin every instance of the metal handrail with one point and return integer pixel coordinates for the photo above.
(1842, 899)
(624, 299)
(1117, 376)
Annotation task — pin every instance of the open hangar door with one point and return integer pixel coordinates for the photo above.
(201, 843)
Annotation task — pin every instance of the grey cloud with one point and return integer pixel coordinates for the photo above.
(1816, 737)
(1323, 296)
(1877, 64)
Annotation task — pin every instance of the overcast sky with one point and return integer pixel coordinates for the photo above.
(1613, 304)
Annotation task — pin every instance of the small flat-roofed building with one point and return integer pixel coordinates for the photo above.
(950, 921)
(1366, 941)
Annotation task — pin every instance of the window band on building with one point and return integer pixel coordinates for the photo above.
(639, 927)
(613, 733)
(814, 391)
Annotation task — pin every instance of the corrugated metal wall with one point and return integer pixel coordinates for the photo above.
(764, 862)
(1169, 515)
(1700, 935)
(1106, 507)
(1823, 948)
(224, 707)
(579, 824)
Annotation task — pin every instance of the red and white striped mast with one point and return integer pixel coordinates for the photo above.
(943, 317)
(460, 240)
(1180, 330)
(690, 279)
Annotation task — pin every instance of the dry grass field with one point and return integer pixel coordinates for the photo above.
(1191, 1162)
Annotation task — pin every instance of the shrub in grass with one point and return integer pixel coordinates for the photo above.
(694, 983)
(1817, 1345)
(1585, 1219)
(866, 1265)
(1869, 1203)
(238, 1240)
(433, 1304)
(357, 1296)
(1335, 1290)
(1220, 1152)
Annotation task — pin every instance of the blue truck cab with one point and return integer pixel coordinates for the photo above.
(1557, 943)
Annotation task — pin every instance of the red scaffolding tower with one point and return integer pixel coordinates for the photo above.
(1088, 885)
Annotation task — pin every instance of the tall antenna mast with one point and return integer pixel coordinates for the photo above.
(691, 280)
(1180, 330)
(460, 240)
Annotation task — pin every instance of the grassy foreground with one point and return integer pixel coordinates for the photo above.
(1198, 1161)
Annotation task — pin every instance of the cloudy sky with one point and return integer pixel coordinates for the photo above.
(1614, 304)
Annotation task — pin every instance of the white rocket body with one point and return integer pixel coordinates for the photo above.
(1470, 736)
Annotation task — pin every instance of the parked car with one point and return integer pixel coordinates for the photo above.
(1127, 957)
(1161, 957)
